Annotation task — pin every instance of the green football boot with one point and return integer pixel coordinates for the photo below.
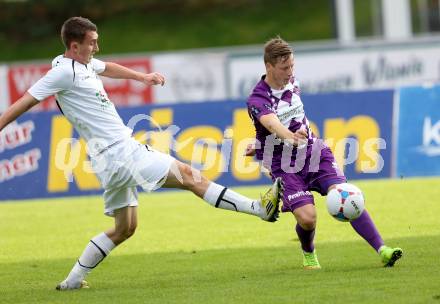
(310, 260)
(390, 255)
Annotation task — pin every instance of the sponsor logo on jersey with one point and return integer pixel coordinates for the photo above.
(102, 96)
(255, 111)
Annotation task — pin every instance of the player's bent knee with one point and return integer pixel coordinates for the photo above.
(308, 224)
(191, 177)
(125, 233)
(131, 231)
(307, 220)
(306, 216)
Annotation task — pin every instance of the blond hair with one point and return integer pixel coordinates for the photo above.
(276, 49)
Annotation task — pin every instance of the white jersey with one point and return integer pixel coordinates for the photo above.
(83, 100)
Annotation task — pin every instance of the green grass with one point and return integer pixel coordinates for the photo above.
(185, 251)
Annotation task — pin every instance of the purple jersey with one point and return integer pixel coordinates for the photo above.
(287, 105)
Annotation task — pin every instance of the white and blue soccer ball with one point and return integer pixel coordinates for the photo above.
(345, 202)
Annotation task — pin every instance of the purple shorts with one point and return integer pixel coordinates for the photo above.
(298, 186)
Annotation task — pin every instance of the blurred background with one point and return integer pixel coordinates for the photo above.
(367, 69)
(30, 28)
(364, 44)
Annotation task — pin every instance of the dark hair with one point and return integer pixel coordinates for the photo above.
(75, 29)
(276, 49)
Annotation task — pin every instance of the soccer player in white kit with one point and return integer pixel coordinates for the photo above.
(120, 162)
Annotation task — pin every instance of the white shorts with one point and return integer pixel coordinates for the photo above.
(125, 166)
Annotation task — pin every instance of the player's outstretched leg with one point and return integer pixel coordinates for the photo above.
(267, 208)
(182, 176)
(365, 227)
(390, 255)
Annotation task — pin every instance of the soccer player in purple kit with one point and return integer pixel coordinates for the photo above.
(289, 150)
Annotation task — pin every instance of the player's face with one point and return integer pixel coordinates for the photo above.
(88, 47)
(281, 72)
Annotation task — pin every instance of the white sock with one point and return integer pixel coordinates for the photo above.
(96, 250)
(224, 198)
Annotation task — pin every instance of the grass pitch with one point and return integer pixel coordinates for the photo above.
(185, 251)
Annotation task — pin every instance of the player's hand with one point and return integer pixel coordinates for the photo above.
(153, 79)
(301, 133)
(299, 138)
(250, 150)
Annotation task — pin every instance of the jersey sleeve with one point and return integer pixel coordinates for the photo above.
(258, 106)
(98, 65)
(56, 80)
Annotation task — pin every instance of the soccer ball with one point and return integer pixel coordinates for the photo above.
(345, 202)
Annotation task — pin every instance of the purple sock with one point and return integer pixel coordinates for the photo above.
(365, 227)
(306, 238)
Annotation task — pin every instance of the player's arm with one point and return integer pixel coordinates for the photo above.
(57, 79)
(114, 70)
(274, 126)
(23, 104)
